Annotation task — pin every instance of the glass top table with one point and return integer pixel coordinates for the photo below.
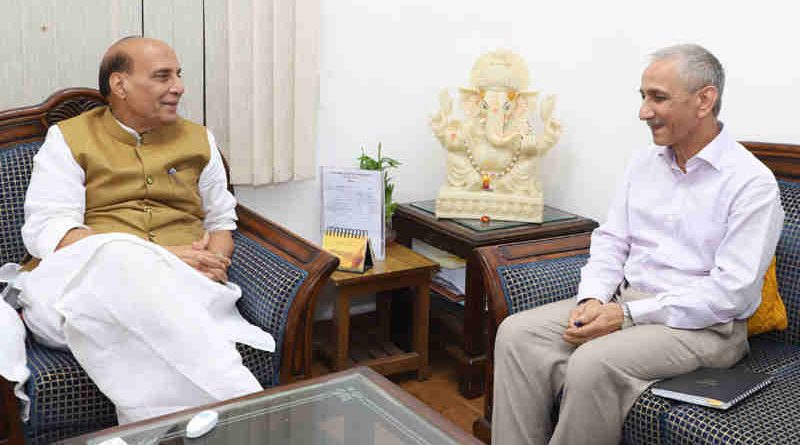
(549, 215)
(357, 406)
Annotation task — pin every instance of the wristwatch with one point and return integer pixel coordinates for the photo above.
(627, 320)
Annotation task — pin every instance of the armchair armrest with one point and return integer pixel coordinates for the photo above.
(519, 276)
(281, 275)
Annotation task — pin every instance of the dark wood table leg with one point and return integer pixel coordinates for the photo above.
(383, 311)
(470, 383)
(341, 330)
(422, 308)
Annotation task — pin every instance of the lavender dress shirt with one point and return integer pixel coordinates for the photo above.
(700, 241)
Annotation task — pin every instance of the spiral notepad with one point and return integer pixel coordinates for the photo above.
(351, 246)
(715, 388)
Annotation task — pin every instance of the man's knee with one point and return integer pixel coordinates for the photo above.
(512, 330)
(588, 365)
(520, 334)
(123, 254)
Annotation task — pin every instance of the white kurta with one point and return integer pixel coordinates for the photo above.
(12, 332)
(153, 333)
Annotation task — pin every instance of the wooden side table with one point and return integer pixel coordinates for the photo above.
(402, 268)
(461, 237)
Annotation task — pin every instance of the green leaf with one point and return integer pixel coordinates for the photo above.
(383, 164)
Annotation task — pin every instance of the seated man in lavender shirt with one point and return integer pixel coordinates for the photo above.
(674, 272)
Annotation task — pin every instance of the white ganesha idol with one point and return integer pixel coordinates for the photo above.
(492, 155)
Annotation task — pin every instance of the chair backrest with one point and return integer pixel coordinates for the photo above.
(784, 161)
(22, 131)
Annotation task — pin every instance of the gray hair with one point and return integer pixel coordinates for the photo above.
(698, 67)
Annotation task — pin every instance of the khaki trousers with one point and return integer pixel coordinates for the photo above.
(600, 379)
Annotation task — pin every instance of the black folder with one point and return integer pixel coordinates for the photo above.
(712, 387)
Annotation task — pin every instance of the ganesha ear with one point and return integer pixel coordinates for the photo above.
(529, 97)
(526, 100)
(470, 101)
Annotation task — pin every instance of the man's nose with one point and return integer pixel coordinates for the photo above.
(177, 86)
(645, 112)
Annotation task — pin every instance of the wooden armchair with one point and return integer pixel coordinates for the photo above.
(280, 275)
(524, 275)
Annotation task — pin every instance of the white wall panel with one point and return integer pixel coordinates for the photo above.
(180, 24)
(383, 62)
(217, 82)
(50, 44)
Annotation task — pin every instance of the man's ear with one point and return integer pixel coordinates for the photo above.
(707, 97)
(116, 82)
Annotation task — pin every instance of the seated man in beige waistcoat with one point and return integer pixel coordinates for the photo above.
(673, 274)
(129, 213)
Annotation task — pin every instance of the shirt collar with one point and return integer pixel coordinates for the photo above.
(129, 136)
(712, 153)
(130, 130)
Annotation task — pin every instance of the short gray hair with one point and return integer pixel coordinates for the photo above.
(698, 67)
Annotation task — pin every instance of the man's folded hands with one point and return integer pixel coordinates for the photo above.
(592, 319)
(212, 264)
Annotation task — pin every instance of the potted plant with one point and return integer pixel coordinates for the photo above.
(382, 164)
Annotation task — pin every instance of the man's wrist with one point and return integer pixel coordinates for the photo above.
(588, 299)
(627, 320)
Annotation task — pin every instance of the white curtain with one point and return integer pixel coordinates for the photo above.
(272, 88)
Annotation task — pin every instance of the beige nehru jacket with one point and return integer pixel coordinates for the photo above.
(146, 189)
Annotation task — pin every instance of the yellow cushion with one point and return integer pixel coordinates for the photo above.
(771, 314)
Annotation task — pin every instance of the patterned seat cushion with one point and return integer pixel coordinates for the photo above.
(643, 424)
(62, 394)
(771, 416)
(65, 402)
(260, 363)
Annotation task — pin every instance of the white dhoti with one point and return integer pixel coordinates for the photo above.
(154, 334)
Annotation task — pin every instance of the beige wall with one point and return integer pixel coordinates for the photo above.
(53, 44)
(48, 44)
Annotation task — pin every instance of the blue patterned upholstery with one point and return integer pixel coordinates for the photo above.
(534, 284)
(642, 425)
(788, 262)
(269, 285)
(771, 416)
(62, 394)
(64, 400)
(15, 171)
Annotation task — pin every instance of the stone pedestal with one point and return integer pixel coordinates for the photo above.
(453, 203)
